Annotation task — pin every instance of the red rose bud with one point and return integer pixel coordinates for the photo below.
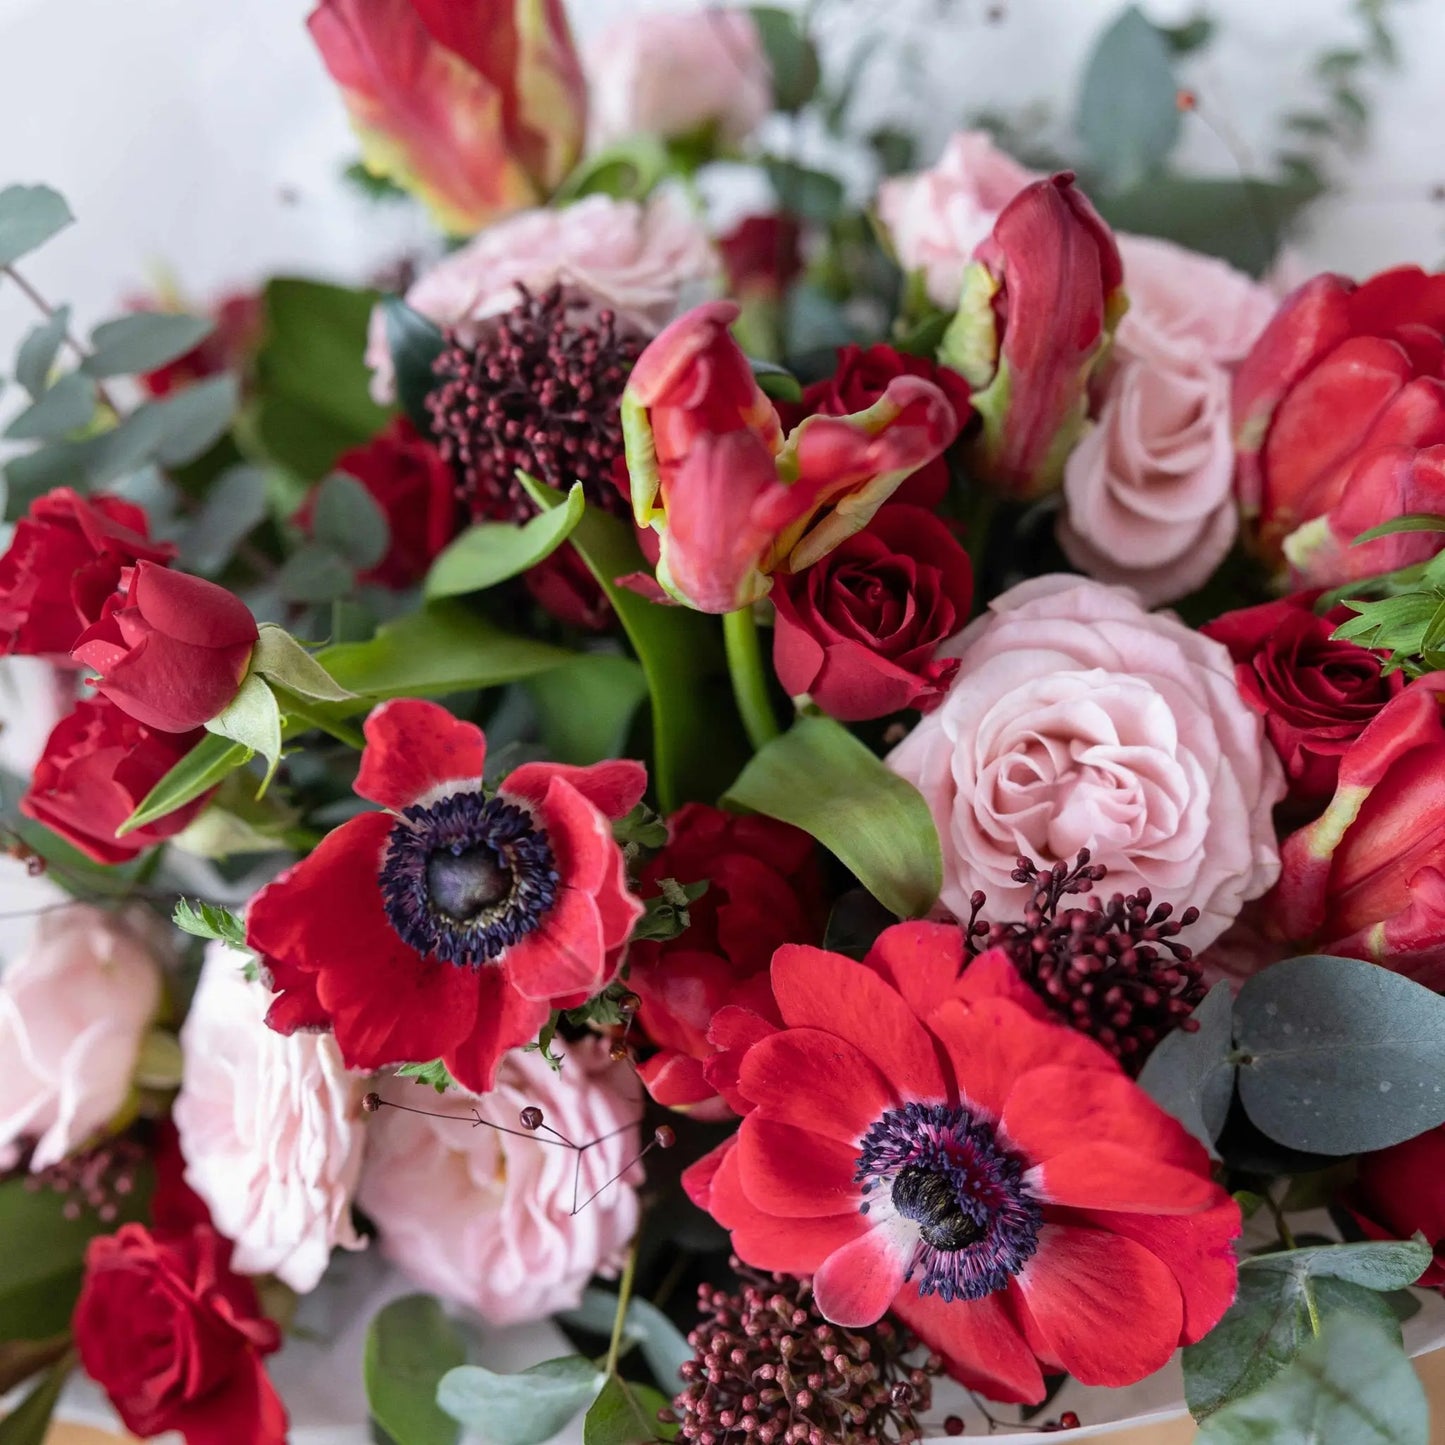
(1400, 1191)
(97, 768)
(1342, 373)
(1367, 878)
(64, 563)
(201, 1369)
(762, 256)
(563, 586)
(1040, 302)
(476, 106)
(417, 492)
(731, 500)
(858, 631)
(172, 652)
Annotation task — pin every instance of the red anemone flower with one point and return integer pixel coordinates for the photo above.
(451, 925)
(924, 1139)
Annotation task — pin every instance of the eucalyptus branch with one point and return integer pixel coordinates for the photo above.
(71, 340)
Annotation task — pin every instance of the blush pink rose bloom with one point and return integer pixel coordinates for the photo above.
(936, 217)
(641, 260)
(270, 1128)
(74, 1010)
(676, 75)
(485, 1218)
(1148, 491)
(1079, 720)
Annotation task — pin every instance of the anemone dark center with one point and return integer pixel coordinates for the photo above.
(945, 1170)
(466, 878)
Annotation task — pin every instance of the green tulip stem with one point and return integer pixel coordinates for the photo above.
(750, 682)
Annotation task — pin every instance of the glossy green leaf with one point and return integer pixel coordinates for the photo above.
(143, 342)
(1191, 1075)
(415, 341)
(611, 689)
(203, 768)
(492, 552)
(626, 1414)
(1339, 1056)
(410, 1347)
(820, 778)
(29, 1422)
(1410, 522)
(1127, 116)
(66, 407)
(36, 358)
(29, 217)
(628, 171)
(522, 1409)
(347, 519)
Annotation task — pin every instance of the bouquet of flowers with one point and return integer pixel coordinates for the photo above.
(847, 804)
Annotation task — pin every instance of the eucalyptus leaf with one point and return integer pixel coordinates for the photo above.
(194, 419)
(802, 191)
(29, 217)
(661, 1342)
(347, 519)
(36, 358)
(820, 778)
(415, 342)
(314, 573)
(1384, 1264)
(522, 1409)
(66, 407)
(792, 57)
(492, 552)
(29, 1422)
(410, 1347)
(205, 767)
(626, 1414)
(143, 342)
(1191, 1075)
(234, 506)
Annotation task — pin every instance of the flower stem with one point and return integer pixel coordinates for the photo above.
(750, 683)
(48, 311)
(624, 1298)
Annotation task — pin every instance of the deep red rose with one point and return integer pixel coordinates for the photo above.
(1401, 1191)
(240, 322)
(417, 492)
(450, 926)
(764, 889)
(860, 378)
(63, 564)
(172, 650)
(1316, 695)
(1339, 421)
(858, 631)
(1366, 879)
(564, 587)
(97, 767)
(928, 1139)
(762, 256)
(177, 1339)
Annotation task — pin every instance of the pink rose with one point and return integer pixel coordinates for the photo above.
(637, 260)
(936, 217)
(678, 76)
(270, 1128)
(74, 1009)
(485, 1218)
(1149, 489)
(1078, 720)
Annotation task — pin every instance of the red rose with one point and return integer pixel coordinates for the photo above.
(860, 379)
(451, 925)
(1401, 1190)
(1315, 695)
(171, 651)
(1367, 878)
(859, 630)
(415, 488)
(761, 256)
(564, 587)
(97, 767)
(763, 890)
(63, 564)
(1339, 420)
(176, 1339)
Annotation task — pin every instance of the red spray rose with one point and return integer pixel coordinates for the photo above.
(177, 1339)
(1315, 695)
(172, 651)
(1339, 421)
(452, 924)
(858, 631)
(1367, 878)
(860, 379)
(64, 563)
(415, 489)
(763, 890)
(98, 765)
(762, 257)
(924, 1139)
(1400, 1191)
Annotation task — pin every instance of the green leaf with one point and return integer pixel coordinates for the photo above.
(522, 1409)
(626, 1414)
(492, 552)
(810, 194)
(776, 381)
(410, 1347)
(203, 768)
(614, 687)
(628, 171)
(1192, 35)
(188, 423)
(1410, 522)
(434, 1074)
(36, 358)
(29, 217)
(252, 719)
(234, 506)
(1382, 1265)
(350, 521)
(1353, 1384)
(662, 1343)
(1127, 115)
(66, 407)
(1339, 1056)
(143, 342)
(209, 920)
(279, 658)
(415, 342)
(791, 54)
(820, 778)
(312, 385)
(697, 744)
(1191, 1075)
(314, 574)
(29, 1422)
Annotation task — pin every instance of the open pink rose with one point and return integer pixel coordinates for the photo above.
(73, 1011)
(1078, 720)
(485, 1218)
(936, 217)
(270, 1128)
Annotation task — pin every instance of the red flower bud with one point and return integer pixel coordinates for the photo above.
(1401, 1191)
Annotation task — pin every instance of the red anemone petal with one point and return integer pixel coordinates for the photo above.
(982, 1344)
(504, 1020)
(676, 1081)
(794, 1173)
(855, 1285)
(580, 837)
(615, 788)
(1110, 1176)
(815, 1081)
(414, 748)
(564, 955)
(993, 975)
(698, 1178)
(923, 961)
